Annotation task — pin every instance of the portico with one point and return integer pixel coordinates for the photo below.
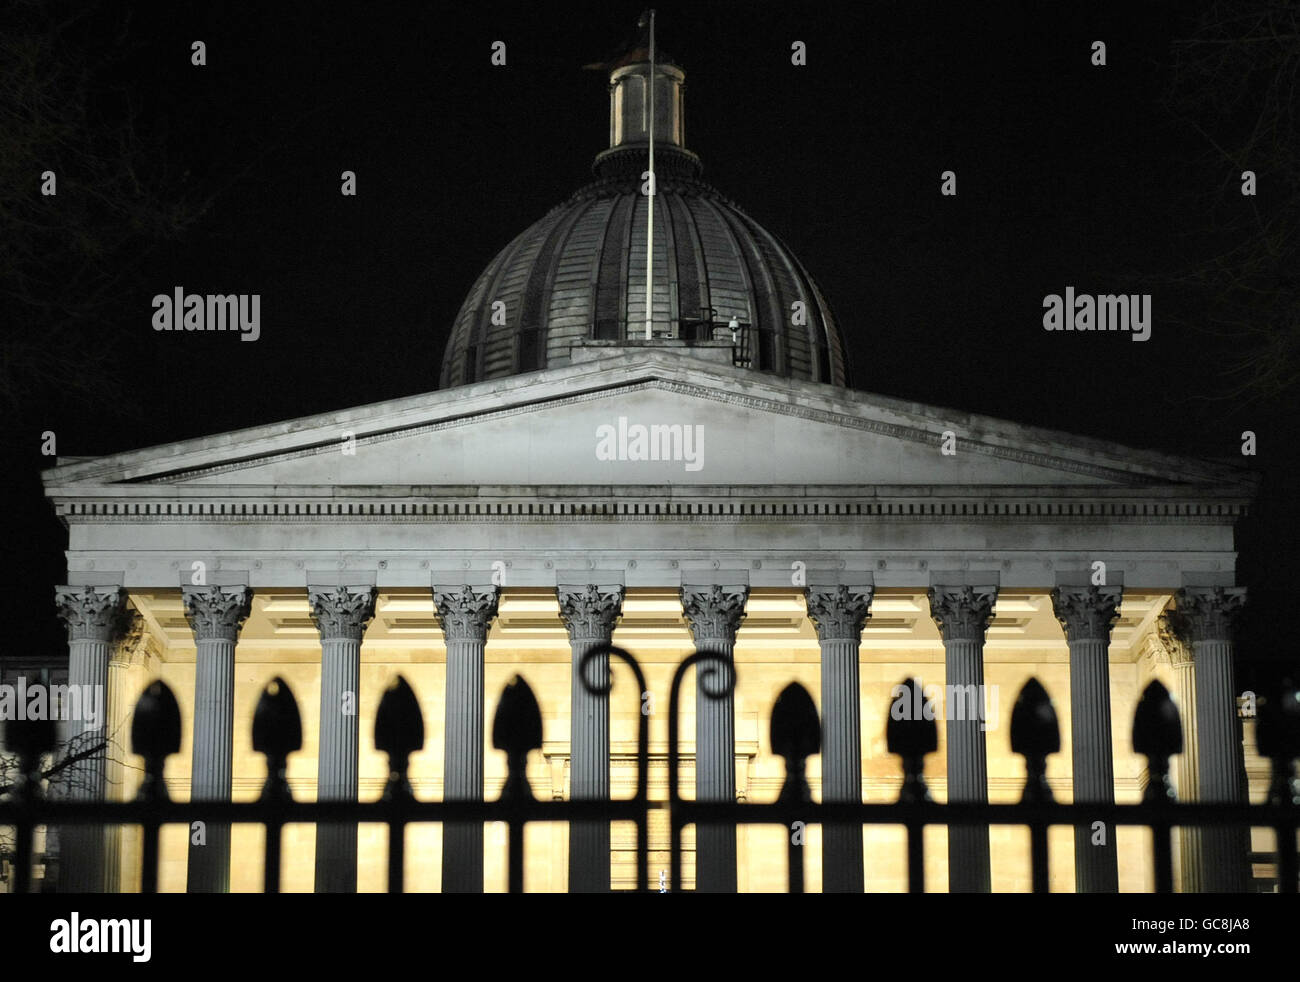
(467, 535)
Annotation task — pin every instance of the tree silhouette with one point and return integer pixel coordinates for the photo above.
(1236, 82)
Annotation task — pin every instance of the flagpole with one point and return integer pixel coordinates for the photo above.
(650, 198)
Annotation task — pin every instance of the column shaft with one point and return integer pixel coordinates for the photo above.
(341, 614)
(839, 613)
(590, 613)
(715, 776)
(1186, 779)
(1224, 851)
(842, 861)
(1096, 867)
(215, 614)
(962, 614)
(465, 613)
(1087, 612)
(714, 613)
(211, 760)
(968, 780)
(338, 759)
(462, 843)
(589, 866)
(84, 861)
(118, 716)
(94, 619)
(1203, 619)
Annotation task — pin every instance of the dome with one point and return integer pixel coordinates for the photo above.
(576, 278)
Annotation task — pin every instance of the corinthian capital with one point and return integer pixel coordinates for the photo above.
(590, 612)
(962, 613)
(91, 614)
(465, 611)
(341, 613)
(1206, 613)
(1087, 612)
(216, 613)
(714, 612)
(839, 611)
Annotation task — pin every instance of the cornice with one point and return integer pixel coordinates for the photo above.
(622, 374)
(910, 434)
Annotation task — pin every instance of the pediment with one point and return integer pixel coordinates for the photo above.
(644, 420)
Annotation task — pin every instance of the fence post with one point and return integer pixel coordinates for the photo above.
(1158, 735)
(911, 735)
(1035, 733)
(277, 732)
(517, 729)
(399, 732)
(155, 736)
(796, 735)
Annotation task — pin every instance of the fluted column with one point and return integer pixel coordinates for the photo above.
(1186, 780)
(714, 613)
(117, 715)
(1203, 618)
(466, 613)
(94, 618)
(215, 614)
(1087, 614)
(589, 613)
(962, 614)
(839, 613)
(341, 614)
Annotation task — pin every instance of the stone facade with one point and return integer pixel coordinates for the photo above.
(469, 535)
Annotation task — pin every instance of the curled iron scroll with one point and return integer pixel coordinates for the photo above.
(603, 688)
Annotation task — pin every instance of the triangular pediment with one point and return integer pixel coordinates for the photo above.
(644, 419)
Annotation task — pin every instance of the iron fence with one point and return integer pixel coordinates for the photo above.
(795, 736)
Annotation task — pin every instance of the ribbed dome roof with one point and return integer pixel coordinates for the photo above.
(577, 276)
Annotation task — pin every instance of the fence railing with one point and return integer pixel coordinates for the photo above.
(795, 736)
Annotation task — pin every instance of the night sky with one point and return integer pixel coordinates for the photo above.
(1068, 175)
